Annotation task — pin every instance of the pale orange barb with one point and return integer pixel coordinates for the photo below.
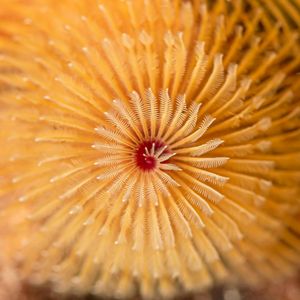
(149, 148)
(10, 284)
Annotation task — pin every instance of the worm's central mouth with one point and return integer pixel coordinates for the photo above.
(150, 154)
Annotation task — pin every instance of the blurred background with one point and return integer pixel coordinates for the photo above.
(286, 290)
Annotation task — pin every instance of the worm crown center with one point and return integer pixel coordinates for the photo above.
(151, 154)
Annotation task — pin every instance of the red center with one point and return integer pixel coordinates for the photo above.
(147, 163)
